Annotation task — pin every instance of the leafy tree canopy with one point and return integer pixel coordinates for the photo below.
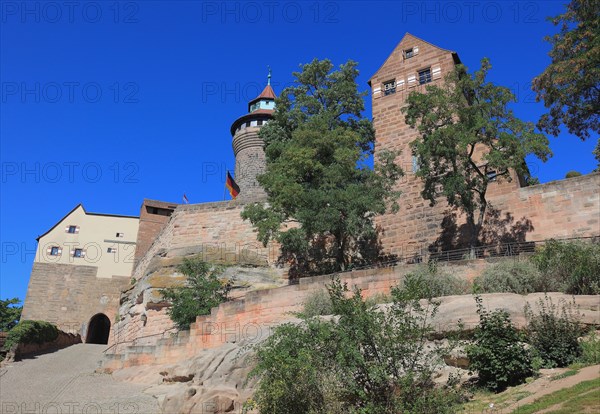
(9, 313)
(322, 195)
(570, 85)
(469, 137)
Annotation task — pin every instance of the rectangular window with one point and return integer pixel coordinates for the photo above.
(54, 251)
(119, 235)
(424, 76)
(408, 53)
(389, 87)
(260, 122)
(78, 253)
(111, 250)
(72, 229)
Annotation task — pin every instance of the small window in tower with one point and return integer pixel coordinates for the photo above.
(260, 122)
(247, 124)
(408, 53)
(389, 87)
(424, 76)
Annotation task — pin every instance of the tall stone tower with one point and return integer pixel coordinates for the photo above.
(248, 146)
(417, 227)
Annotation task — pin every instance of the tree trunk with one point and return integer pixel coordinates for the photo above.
(473, 235)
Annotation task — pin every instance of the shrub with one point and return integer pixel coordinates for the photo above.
(498, 354)
(590, 349)
(553, 333)
(574, 266)
(572, 174)
(432, 282)
(512, 276)
(202, 291)
(364, 361)
(28, 332)
(316, 304)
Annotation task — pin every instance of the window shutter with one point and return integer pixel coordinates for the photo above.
(416, 50)
(77, 230)
(377, 92)
(83, 253)
(67, 229)
(436, 72)
(59, 251)
(400, 84)
(73, 253)
(412, 81)
(49, 250)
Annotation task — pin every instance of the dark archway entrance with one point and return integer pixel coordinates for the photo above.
(98, 329)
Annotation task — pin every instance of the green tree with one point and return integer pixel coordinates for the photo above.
(365, 361)
(469, 137)
(9, 313)
(202, 290)
(570, 85)
(322, 195)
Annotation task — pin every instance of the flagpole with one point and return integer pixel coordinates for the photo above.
(225, 187)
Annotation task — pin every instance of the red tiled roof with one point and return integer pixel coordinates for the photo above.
(267, 93)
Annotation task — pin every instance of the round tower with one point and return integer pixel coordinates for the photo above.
(248, 146)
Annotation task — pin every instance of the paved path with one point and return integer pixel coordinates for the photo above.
(65, 382)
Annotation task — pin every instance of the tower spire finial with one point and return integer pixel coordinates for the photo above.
(269, 77)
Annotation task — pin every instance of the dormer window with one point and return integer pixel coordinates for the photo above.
(408, 53)
(389, 87)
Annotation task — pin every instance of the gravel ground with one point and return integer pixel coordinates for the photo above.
(65, 382)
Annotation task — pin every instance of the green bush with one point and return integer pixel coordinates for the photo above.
(553, 333)
(28, 332)
(512, 276)
(573, 266)
(365, 361)
(590, 349)
(202, 291)
(316, 304)
(433, 282)
(498, 353)
(572, 174)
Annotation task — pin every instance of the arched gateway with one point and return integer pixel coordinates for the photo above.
(98, 329)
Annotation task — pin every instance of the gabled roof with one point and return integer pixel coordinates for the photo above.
(408, 36)
(86, 213)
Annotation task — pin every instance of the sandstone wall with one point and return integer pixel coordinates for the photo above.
(215, 230)
(69, 296)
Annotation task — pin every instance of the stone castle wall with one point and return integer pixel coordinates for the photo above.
(153, 217)
(215, 230)
(70, 295)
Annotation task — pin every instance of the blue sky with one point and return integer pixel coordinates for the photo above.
(107, 103)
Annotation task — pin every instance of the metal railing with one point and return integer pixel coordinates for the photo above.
(498, 250)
